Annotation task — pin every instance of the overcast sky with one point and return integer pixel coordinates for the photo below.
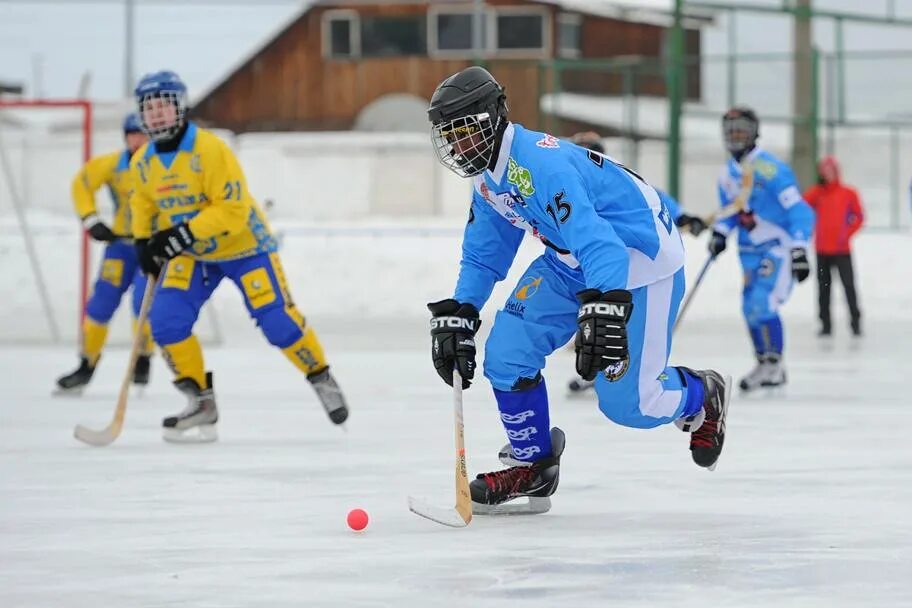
(48, 45)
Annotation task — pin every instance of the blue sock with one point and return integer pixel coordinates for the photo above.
(774, 333)
(526, 420)
(756, 332)
(695, 393)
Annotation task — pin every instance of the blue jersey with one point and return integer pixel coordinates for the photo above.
(674, 207)
(760, 197)
(595, 216)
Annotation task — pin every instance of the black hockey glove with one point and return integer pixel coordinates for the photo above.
(453, 329)
(692, 223)
(170, 243)
(801, 268)
(98, 230)
(601, 340)
(147, 263)
(717, 243)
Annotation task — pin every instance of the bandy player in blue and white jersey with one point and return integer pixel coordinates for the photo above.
(612, 273)
(759, 197)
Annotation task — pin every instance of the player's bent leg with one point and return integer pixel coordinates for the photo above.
(539, 317)
(262, 283)
(106, 295)
(175, 309)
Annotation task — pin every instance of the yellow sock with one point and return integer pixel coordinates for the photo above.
(186, 360)
(147, 347)
(94, 335)
(306, 353)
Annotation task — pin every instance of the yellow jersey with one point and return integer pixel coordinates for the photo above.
(111, 170)
(202, 184)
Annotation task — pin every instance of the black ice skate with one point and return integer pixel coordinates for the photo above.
(141, 370)
(75, 382)
(707, 428)
(536, 480)
(330, 395)
(196, 424)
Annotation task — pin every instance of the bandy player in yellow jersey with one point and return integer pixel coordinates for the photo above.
(195, 223)
(119, 267)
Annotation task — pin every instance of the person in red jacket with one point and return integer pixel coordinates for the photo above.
(839, 217)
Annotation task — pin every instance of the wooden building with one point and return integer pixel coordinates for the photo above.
(338, 57)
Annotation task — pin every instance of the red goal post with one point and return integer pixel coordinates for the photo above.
(85, 109)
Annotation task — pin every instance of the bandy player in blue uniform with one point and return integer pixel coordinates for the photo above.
(612, 273)
(684, 221)
(760, 197)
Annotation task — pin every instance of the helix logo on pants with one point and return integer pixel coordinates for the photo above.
(517, 418)
(522, 434)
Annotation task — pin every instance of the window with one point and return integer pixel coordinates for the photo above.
(569, 35)
(339, 34)
(393, 36)
(452, 29)
(521, 30)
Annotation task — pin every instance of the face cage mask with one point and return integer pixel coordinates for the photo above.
(739, 134)
(164, 133)
(465, 145)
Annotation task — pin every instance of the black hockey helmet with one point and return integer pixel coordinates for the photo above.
(740, 129)
(468, 114)
(589, 140)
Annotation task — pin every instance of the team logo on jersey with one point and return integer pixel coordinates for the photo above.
(486, 193)
(195, 164)
(766, 168)
(528, 287)
(548, 141)
(520, 177)
(767, 268)
(665, 217)
(616, 371)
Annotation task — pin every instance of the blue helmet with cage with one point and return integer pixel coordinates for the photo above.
(132, 124)
(162, 101)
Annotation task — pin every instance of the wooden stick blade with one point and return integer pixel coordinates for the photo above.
(93, 437)
(448, 517)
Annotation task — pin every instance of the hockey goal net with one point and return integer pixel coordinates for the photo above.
(49, 264)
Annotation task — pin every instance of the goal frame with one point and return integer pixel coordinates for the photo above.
(85, 106)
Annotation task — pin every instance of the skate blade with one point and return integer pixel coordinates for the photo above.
(448, 517)
(76, 391)
(534, 506)
(203, 433)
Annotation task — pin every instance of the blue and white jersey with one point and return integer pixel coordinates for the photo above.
(597, 218)
(765, 186)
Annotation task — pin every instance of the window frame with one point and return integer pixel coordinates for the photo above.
(542, 52)
(434, 50)
(354, 33)
(574, 19)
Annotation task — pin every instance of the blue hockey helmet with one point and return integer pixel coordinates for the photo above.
(162, 101)
(132, 123)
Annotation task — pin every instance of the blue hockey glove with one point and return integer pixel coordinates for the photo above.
(453, 328)
(601, 340)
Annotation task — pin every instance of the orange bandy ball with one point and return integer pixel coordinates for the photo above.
(357, 519)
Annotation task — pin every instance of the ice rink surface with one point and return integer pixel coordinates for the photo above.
(811, 504)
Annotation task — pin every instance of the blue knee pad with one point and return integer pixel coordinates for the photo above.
(277, 325)
(171, 318)
(104, 301)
